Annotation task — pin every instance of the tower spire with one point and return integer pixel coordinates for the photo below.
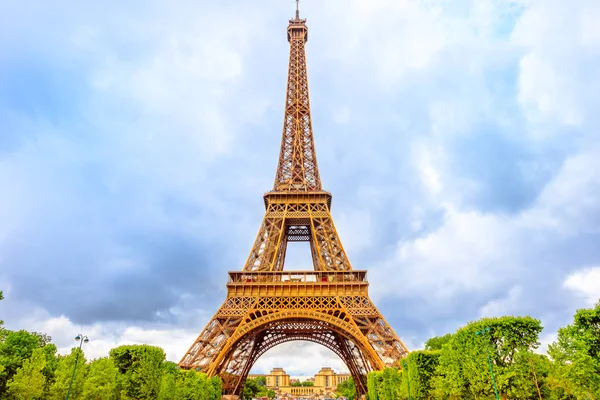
(297, 170)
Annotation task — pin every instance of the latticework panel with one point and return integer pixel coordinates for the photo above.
(268, 249)
(374, 327)
(246, 327)
(285, 222)
(297, 169)
(211, 340)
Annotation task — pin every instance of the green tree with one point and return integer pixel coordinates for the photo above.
(304, 384)
(139, 370)
(463, 371)
(2, 334)
(15, 348)
(436, 342)
(250, 390)
(29, 381)
(576, 355)
(421, 369)
(347, 389)
(271, 394)
(390, 384)
(43, 339)
(217, 386)
(261, 381)
(373, 385)
(196, 386)
(191, 385)
(531, 376)
(101, 380)
(168, 386)
(64, 372)
(51, 365)
(169, 381)
(1, 298)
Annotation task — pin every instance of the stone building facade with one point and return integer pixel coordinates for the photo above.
(325, 382)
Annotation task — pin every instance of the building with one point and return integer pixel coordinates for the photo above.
(327, 378)
(278, 378)
(325, 382)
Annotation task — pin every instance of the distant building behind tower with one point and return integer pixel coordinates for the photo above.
(325, 382)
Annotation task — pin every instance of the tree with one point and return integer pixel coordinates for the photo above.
(271, 394)
(421, 367)
(139, 370)
(1, 298)
(29, 381)
(463, 364)
(101, 381)
(14, 350)
(64, 372)
(51, 365)
(196, 386)
(436, 342)
(168, 386)
(347, 389)
(250, 390)
(391, 384)
(217, 386)
(531, 377)
(43, 339)
(170, 380)
(373, 385)
(576, 353)
(304, 384)
(188, 385)
(261, 381)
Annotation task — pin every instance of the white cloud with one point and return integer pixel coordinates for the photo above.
(459, 257)
(505, 306)
(556, 82)
(545, 340)
(105, 336)
(586, 283)
(430, 176)
(570, 203)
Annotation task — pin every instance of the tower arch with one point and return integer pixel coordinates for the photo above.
(269, 331)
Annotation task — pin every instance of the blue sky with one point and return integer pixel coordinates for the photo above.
(459, 139)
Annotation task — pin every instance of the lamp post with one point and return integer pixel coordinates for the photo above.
(483, 332)
(81, 339)
(407, 377)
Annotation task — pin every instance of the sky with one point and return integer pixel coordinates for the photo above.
(459, 140)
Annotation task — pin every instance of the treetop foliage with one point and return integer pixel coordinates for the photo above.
(347, 389)
(436, 342)
(31, 369)
(457, 366)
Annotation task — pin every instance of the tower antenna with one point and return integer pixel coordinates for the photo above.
(297, 9)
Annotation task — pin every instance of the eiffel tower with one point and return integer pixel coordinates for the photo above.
(267, 306)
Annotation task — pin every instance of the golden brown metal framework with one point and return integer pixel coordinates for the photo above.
(266, 306)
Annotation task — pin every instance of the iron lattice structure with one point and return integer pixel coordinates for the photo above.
(267, 306)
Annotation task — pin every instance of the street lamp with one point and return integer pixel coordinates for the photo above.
(407, 377)
(81, 339)
(483, 332)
